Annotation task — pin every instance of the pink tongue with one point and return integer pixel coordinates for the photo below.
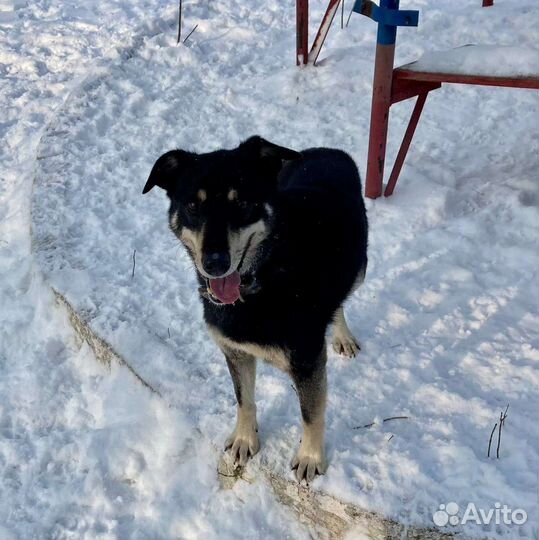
(226, 289)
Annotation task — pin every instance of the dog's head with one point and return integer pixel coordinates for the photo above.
(221, 206)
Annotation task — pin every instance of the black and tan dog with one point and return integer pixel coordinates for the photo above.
(279, 240)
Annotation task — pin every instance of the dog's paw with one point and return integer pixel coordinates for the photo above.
(242, 446)
(345, 345)
(307, 466)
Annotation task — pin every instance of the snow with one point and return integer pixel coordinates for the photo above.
(487, 60)
(447, 316)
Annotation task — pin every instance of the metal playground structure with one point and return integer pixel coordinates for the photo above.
(392, 85)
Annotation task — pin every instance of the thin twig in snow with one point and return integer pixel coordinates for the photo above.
(395, 418)
(349, 15)
(503, 416)
(134, 263)
(490, 440)
(383, 421)
(342, 14)
(365, 426)
(189, 34)
(499, 425)
(179, 22)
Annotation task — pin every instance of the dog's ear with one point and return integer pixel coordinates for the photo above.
(266, 149)
(165, 171)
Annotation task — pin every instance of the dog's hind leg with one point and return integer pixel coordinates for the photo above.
(243, 441)
(311, 384)
(342, 340)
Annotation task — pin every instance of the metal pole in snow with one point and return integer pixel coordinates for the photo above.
(381, 103)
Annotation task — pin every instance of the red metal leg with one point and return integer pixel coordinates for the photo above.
(323, 30)
(488, 3)
(302, 31)
(381, 102)
(407, 139)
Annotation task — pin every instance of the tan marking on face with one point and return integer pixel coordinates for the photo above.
(202, 195)
(193, 241)
(232, 195)
(274, 355)
(238, 240)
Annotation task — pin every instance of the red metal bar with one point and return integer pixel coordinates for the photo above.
(325, 25)
(403, 89)
(488, 3)
(302, 31)
(425, 76)
(381, 102)
(405, 145)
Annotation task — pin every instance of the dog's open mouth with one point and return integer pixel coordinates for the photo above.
(226, 289)
(248, 286)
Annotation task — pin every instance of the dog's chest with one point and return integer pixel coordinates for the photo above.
(277, 356)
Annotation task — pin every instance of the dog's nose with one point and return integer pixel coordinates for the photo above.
(216, 264)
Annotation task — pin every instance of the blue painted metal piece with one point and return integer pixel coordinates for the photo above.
(388, 16)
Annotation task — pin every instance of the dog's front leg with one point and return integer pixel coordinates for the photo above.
(311, 383)
(243, 441)
(343, 341)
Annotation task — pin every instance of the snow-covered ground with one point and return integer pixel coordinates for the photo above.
(447, 316)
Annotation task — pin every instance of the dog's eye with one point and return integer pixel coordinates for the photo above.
(192, 207)
(242, 205)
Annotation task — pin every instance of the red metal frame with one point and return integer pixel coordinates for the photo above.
(302, 31)
(381, 102)
(389, 17)
(403, 150)
(325, 25)
(402, 89)
(390, 85)
(303, 54)
(403, 74)
(405, 83)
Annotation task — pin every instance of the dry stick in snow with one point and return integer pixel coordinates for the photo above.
(189, 34)
(349, 15)
(383, 421)
(342, 14)
(503, 416)
(179, 22)
(499, 425)
(490, 440)
(134, 263)
(395, 418)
